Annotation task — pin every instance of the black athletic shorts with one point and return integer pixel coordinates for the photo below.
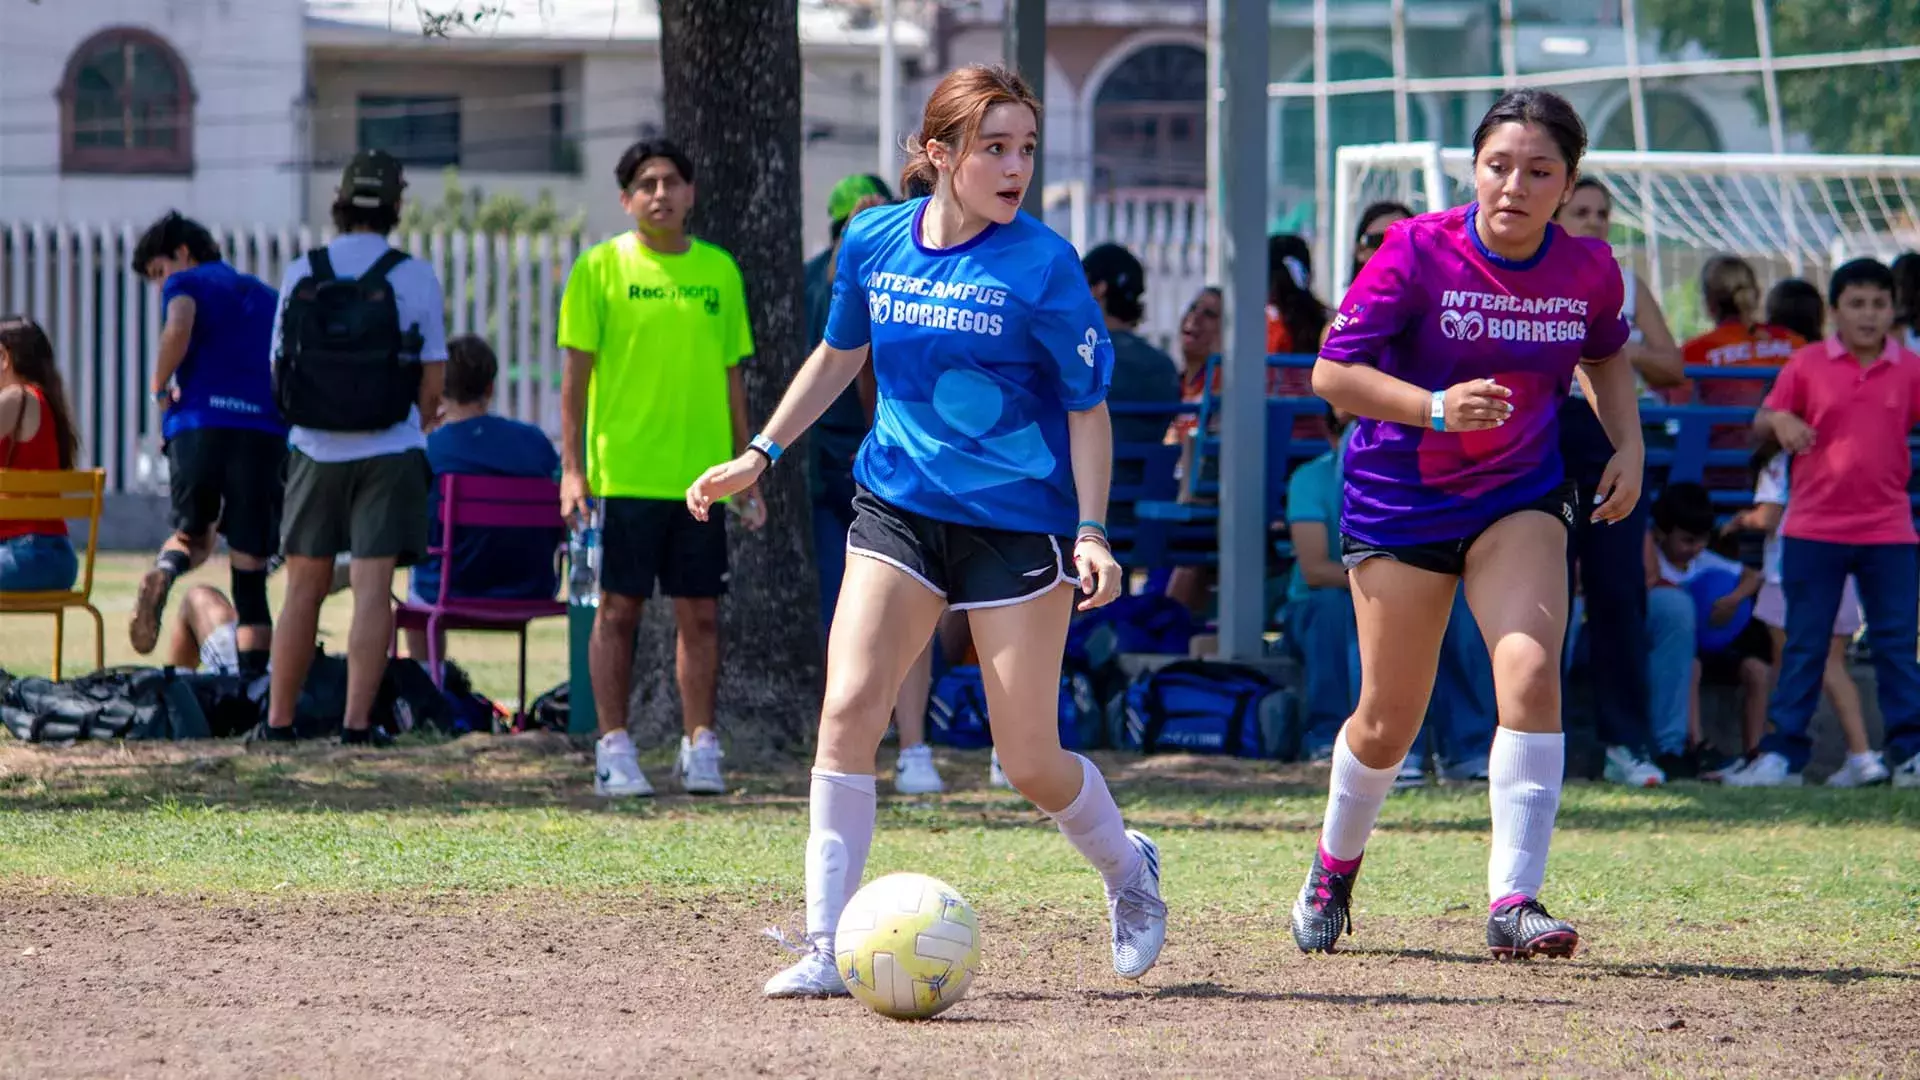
(231, 477)
(643, 541)
(1753, 642)
(1450, 556)
(968, 567)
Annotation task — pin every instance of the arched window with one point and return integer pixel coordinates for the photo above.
(1674, 122)
(126, 106)
(1150, 121)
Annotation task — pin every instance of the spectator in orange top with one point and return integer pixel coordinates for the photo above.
(1738, 339)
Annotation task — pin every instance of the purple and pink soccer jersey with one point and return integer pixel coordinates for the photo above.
(1435, 307)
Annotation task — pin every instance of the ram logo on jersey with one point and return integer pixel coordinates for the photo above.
(879, 306)
(1086, 348)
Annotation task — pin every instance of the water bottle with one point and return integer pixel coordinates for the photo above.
(583, 559)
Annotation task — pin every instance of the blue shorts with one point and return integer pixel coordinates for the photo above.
(38, 563)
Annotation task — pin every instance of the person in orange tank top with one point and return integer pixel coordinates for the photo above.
(1738, 339)
(36, 432)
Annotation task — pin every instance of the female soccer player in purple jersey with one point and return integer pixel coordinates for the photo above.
(1456, 346)
(981, 488)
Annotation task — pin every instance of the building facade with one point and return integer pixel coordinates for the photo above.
(242, 111)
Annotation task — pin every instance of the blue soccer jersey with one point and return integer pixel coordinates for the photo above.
(980, 351)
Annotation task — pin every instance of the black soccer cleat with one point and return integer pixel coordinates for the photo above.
(371, 737)
(1322, 914)
(1523, 930)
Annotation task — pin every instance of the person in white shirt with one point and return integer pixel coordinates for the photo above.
(360, 356)
(1863, 765)
(1676, 554)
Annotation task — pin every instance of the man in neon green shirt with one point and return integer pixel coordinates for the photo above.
(655, 326)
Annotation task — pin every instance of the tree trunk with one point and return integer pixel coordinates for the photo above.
(732, 74)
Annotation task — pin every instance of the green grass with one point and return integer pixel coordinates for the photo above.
(1743, 874)
(26, 641)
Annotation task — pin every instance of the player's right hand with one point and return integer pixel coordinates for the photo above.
(574, 494)
(1477, 405)
(1795, 434)
(724, 480)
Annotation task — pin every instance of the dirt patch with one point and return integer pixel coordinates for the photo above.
(528, 985)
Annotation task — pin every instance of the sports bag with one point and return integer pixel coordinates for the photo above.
(344, 363)
(1200, 707)
(957, 710)
(126, 703)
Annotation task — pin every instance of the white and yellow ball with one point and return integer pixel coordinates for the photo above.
(907, 946)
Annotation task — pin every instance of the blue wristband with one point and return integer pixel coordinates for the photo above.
(1437, 410)
(767, 447)
(1093, 526)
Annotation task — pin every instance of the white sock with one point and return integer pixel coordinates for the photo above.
(1354, 796)
(840, 808)
(1091, 823)
(616, 740)
(1524, 773)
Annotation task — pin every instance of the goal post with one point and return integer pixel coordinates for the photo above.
(1789, 214)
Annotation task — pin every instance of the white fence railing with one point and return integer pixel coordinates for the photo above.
(76, 280)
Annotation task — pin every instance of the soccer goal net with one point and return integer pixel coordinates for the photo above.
(1788, 215)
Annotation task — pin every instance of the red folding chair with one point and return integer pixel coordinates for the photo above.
(492, 502)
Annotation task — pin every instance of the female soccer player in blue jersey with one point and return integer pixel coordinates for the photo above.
(982, 488)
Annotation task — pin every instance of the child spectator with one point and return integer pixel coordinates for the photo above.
(497, 564)
(36, 432)
(1862, 766)
(1676, 554)
(1795, 304)
(1843, 407)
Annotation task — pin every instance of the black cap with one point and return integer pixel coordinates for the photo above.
(373, 179)
(1116, 266)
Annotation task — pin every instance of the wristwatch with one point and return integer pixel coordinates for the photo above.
(1437, 410)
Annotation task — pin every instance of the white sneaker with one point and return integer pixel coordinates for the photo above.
(1767, 770)
(1629, 769)
(814, 976)
(616, 768)
(1139, 916)
(996, 778)
(1907, 773)
(915, 774)
(1860, 770)
(699, 765)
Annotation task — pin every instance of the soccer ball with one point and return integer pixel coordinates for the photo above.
(907, 946)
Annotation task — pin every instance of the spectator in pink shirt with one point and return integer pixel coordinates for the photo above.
(1843, 407)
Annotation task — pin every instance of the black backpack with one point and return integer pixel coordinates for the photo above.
(344, 362)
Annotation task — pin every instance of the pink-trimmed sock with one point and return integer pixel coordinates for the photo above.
(1355, 794)
(1338, 866)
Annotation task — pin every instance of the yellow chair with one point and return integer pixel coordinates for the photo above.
(47, 495)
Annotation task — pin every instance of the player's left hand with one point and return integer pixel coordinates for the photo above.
(1100, 574)
(1620, 485)
(751, 507)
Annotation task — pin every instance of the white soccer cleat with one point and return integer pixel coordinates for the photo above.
(616, 771)
(1139, 916)
(813, 976)
(915, 773)
(1628, 769)
(995, 776)
(1859, 771)
(699, 765)
(1767, 770)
